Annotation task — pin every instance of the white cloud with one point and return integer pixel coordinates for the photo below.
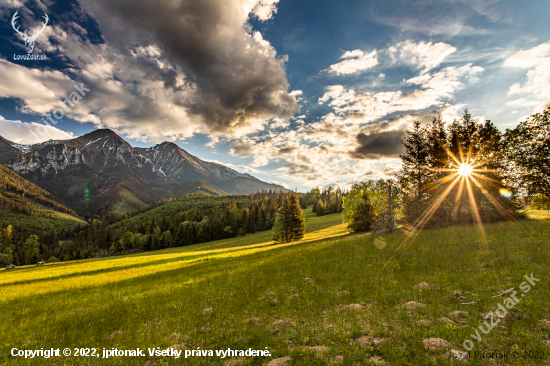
(265, 9)
(279, 183)
(354, 61)
(423, 17)
(530, 58)
(240, 168)
(423, 55)
(366, 106)
(31, 133)
(537, 83)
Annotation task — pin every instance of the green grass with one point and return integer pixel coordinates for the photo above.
(149, 297)
(539, 214)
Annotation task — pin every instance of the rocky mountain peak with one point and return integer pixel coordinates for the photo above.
(99, 139)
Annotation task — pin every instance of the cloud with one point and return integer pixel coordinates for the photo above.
(265, 9)
(423, 55)
(231, 77)
(537, 83)
(364, 107)
(28, 133)
(241, 168)
(356, 136)
(279, 183)
(41, 90)
(391, 172)
(354, 62)
(529, 58)
(187, 67)
(375, 146)
(432, 17)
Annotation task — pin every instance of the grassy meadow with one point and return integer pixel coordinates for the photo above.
(331, 298)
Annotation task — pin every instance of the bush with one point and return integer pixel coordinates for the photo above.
(6, 257)
(52, 260)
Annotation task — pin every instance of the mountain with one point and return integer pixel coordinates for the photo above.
(102, 173)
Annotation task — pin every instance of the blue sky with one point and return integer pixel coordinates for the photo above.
(308, 93)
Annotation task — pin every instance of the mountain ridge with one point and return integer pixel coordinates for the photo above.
(95, 171)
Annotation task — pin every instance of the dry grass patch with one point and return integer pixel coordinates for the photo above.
(377, 360)
(423, 286)
(423, 323)
(252, 320)
(350, 307)
(316, 349)
(279, 361)
(413, 305)
(458, 314)
(116, 334)
(435, 343)
(286, 321)
(369, 341)
(446, 320)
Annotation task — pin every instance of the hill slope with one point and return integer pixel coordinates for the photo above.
(30, 208)
(7, 150)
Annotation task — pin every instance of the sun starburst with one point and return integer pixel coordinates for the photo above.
(465, 169)
(462, 173)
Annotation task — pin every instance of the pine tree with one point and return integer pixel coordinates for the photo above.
(416, 173)
(321, 208)
(438, 146)
(290, 223)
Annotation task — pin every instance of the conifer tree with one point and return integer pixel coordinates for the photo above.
(416, 169)
(321, 208)
(290, 223)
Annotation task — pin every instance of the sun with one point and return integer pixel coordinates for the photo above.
(465, 169)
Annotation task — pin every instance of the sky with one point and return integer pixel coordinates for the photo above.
(301, 93)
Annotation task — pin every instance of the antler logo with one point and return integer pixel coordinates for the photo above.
(29, 40)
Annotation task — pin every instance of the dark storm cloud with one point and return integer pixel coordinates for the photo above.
(385, 144)
(243, 148)
(294, 168)
(234, 75)
(384, 139)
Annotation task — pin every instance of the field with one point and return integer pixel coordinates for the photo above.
(333, 297)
